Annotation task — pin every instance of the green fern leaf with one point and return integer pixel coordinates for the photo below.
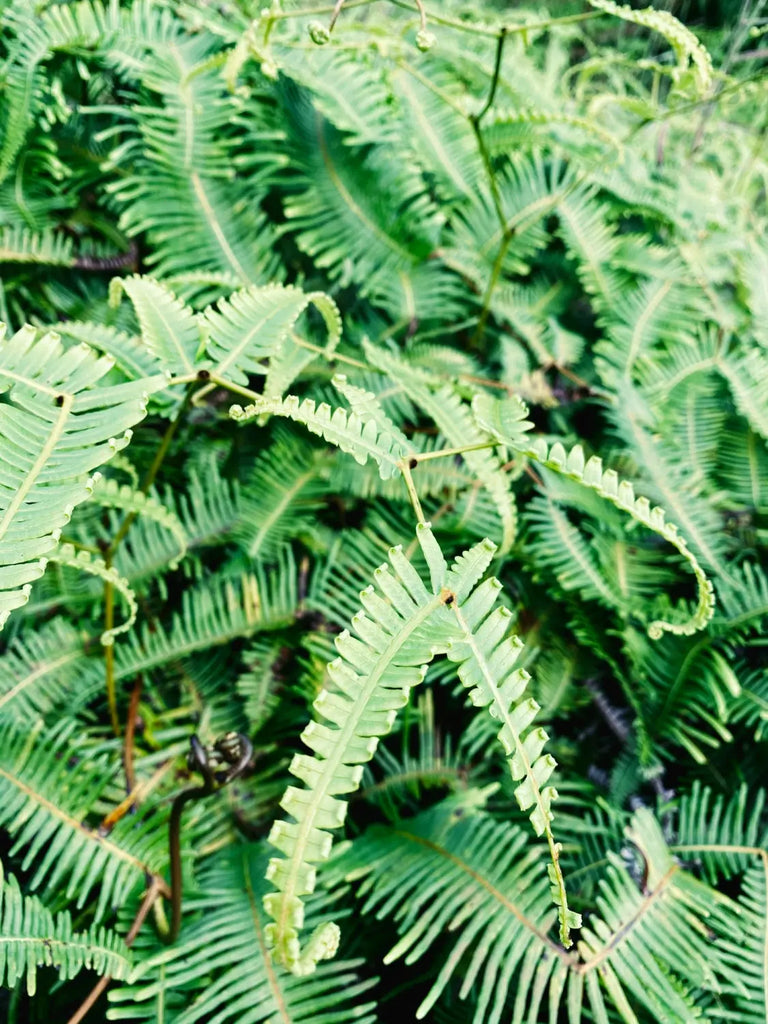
(58, 426)
(252, 326)
(359, 437)
(400, 629)
(31, 937)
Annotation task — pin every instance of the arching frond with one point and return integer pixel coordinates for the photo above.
(607, 485)
(360, 437)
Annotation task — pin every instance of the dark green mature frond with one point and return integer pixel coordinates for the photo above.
(45, 669)
(375, 214)
(179, 159)
(281, 496)
(32, 937)
(221, 968)
(215, 612)
(45, 805)
(453, 869)
(51, 444)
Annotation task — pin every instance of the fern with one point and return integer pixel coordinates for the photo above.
(31, 937)
(54, 446)
(468, 247)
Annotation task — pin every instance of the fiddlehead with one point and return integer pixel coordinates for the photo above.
(232, 750)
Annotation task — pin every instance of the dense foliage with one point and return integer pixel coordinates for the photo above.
(354, 352)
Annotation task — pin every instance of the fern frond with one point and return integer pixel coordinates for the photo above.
(45, 806)
(376, 215)
(20, 245)
(205, 966)
(684, 43)
(654, 944)
(451, 868)
(252, 326)
(31, 937)
(169, 330)
(85, 561)
(400, 629)
(455, 422)
(747, 377)
(46, 669)
(213, 613)
(352, 434)
(58, 425)
(724, 835)
(486, 654)
(281, 496)
(607, 484)
(111, 494)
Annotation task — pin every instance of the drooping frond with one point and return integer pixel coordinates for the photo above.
(400, 629)
(491, 416)
(32, 937)
(360, 437)
(51, 444)
(112, 494)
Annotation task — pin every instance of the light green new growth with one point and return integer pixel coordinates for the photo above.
(502, 420)
(403, 625)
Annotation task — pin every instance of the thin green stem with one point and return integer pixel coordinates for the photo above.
(405, 469)
(445, 452)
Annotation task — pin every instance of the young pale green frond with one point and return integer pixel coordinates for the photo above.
(620, 493)
(247, 332)
(455, 870)
(402, 625)
(112, 494)
(45, 804)
(84, 561)
(220, 969)
(684, 43)
(486, 651)
(169, 329)
(359, 437)
(32, 937)
(58, 424)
